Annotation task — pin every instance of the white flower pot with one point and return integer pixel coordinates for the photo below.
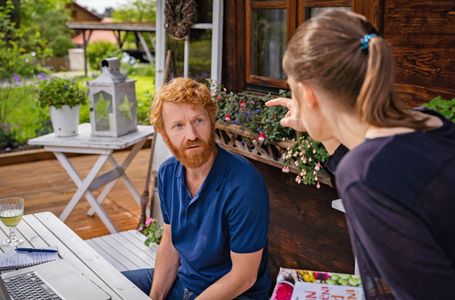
(65, 120)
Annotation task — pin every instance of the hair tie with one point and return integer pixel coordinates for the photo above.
(365, 40)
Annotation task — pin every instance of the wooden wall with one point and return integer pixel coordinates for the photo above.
(233, 71)
(305, 231)
(422, 34)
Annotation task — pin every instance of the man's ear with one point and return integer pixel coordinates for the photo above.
(309, 95)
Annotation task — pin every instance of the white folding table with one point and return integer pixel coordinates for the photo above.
(103, 147)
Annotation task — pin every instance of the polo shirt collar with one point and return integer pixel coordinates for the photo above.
(216, 174)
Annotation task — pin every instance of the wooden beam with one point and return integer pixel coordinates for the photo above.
(234, 45)
(146, 48)
(111, 26)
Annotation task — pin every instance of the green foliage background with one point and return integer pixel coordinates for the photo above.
(21, 47)
(444, 106)
(136, 11)
(48, 17)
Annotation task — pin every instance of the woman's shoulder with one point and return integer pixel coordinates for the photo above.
(400, 165)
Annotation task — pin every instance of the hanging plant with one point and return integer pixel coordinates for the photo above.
(180, 15)
(307, 156)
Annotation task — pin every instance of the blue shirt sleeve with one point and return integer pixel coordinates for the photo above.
(248, 216)
(162, 196)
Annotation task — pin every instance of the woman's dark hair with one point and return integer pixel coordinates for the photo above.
(326, 50)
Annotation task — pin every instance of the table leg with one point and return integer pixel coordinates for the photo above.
(83, 186)
(126, 162)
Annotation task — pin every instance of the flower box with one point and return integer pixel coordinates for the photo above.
(238, 140)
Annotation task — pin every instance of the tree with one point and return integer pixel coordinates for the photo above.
(14, 14)
(20, 48)
(136, 11)
(49, 17)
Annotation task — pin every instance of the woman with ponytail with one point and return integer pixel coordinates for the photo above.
(394, 168)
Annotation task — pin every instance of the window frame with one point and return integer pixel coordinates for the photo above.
(297, 11)
(250, 5)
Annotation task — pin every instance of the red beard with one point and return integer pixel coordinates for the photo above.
(194, 158)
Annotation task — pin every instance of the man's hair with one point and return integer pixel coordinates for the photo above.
(185, 91)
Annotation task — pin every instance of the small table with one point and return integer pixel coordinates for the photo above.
(104, 147)
(45, 229)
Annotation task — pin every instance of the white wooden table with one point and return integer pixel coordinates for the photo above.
(104, 147)
(45, 229)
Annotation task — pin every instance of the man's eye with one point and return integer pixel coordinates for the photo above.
(178, 125)
(199, 121)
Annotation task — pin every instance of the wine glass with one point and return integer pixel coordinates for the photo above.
(11, 211)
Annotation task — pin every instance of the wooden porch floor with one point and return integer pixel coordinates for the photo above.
(45, 186)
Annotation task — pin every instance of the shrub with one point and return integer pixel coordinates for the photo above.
(443, 106)
(7, 139)
(49, 18)
(21, 49)
(59, 91)
(98, 51)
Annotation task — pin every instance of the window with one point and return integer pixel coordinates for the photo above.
(199, 55)
(269, 25)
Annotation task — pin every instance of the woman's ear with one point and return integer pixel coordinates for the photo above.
(309, 95)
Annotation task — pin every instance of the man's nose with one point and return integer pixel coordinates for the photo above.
(191, 133)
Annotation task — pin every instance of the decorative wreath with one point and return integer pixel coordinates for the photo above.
(180, 15)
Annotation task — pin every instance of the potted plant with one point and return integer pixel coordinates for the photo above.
(153, 232)
(64, 97)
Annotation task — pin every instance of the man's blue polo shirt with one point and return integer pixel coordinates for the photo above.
(230, 212)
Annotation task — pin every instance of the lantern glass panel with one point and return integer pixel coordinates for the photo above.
(103, 111)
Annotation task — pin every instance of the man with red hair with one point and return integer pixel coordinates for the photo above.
(214, 204)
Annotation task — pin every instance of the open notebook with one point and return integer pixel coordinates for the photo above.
(16, 260)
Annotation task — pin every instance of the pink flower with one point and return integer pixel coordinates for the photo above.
(262, 136)
(285, 169)
(149, 221)
(317, 167)
(318, 186)
(242, 105)
(227, 117)
(219, 97)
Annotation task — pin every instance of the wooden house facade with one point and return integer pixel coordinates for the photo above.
(305, 232)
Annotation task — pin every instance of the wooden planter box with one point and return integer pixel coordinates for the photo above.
(244, 142)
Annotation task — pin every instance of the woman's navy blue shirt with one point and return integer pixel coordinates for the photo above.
(399, 196)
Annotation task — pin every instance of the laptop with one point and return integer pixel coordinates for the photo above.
(53, 280)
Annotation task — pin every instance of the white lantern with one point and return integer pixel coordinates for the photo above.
(112, 101)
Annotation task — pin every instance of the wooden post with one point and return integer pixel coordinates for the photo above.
(85, 42)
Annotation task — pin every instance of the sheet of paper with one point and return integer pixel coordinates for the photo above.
(15, 260)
